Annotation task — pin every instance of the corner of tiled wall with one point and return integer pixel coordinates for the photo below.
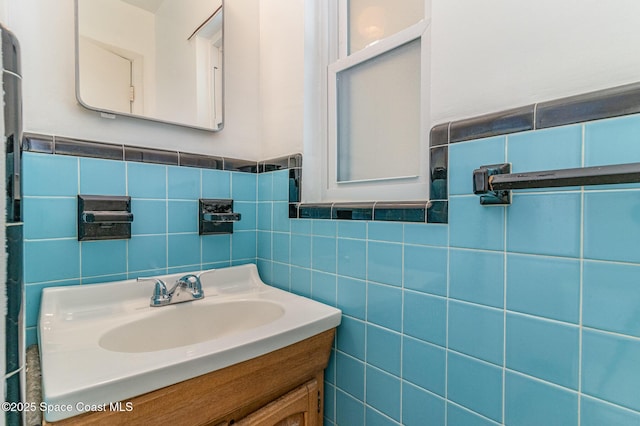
(526, 314)
(539, 290)
(359, 267)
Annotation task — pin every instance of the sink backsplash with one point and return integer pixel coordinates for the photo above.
(164, 238)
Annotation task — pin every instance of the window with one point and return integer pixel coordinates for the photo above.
(378, 101)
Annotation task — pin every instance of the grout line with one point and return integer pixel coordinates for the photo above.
(542, 381)
(504, 322)
(402, 302)
(474, 358)
(30, 240)
(470, 303)
(462, 407)
(126, 191)
(446, 342)
(200, 239)
(504, 289)
(580, 332)
(541, 318)
(255, 198)
(366, 316)
(46, 197)
(6, 71)
(611, 333)
(611, 404)
(16, 371)
(80, 246)
(166, 224)
(420, 388)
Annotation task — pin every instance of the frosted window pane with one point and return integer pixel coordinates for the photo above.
(379, 116)
(371, 20)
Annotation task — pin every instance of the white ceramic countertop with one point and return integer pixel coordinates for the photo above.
(79, 375)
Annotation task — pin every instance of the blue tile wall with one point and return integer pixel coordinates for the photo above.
(553, 405)
(164, 232)
(519, 315)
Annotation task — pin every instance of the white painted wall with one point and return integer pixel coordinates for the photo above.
(486, 56)
(46, 32)
(282, 44)
(3, 11)
(495, 54)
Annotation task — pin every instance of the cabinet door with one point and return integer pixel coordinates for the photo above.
(297, 408)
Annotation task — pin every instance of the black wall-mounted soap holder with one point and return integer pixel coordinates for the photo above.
(216, 216)
(104, 217)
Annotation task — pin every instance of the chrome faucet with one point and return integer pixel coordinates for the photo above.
(186, 289)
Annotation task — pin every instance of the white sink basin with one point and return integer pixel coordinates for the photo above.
(103, 343)
(189, 323)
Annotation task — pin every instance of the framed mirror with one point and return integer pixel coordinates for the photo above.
(160, 60)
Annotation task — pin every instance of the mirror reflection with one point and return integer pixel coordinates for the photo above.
(155, 59)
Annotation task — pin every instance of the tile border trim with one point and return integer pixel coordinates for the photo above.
(607, 103)
(59, 145)
(434, 211)
(401, 211)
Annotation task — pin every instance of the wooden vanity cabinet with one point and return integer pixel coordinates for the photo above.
(281, 388)
(300, 407)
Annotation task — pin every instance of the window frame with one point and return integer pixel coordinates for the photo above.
(402, 188)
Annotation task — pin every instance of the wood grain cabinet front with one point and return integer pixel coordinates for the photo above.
(281, 388)
(300, 407)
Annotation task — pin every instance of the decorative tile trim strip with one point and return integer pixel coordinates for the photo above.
(422, 211)
(499, 123)
(438, 207)
(37, 143)
(155, 156)
(607, 103)
(439, 159)
(64, 146)
(438, 211)
(10, 51)
(413, 211)
(46, 144)
(279, 163)
(201, 161)
(401, 212)
(315, 211)
(237, 165)
(295, 185)
(613, 102)
(293, 161)
(439, 135)
(352, 211)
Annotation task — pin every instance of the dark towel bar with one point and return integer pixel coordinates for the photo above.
(495, 182)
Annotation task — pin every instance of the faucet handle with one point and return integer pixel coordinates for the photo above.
(192, 282)
(160, 295)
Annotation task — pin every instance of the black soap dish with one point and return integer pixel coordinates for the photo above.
(216, 216)
(104, 217)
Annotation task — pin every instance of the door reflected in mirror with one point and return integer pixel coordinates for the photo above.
(156, 59)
